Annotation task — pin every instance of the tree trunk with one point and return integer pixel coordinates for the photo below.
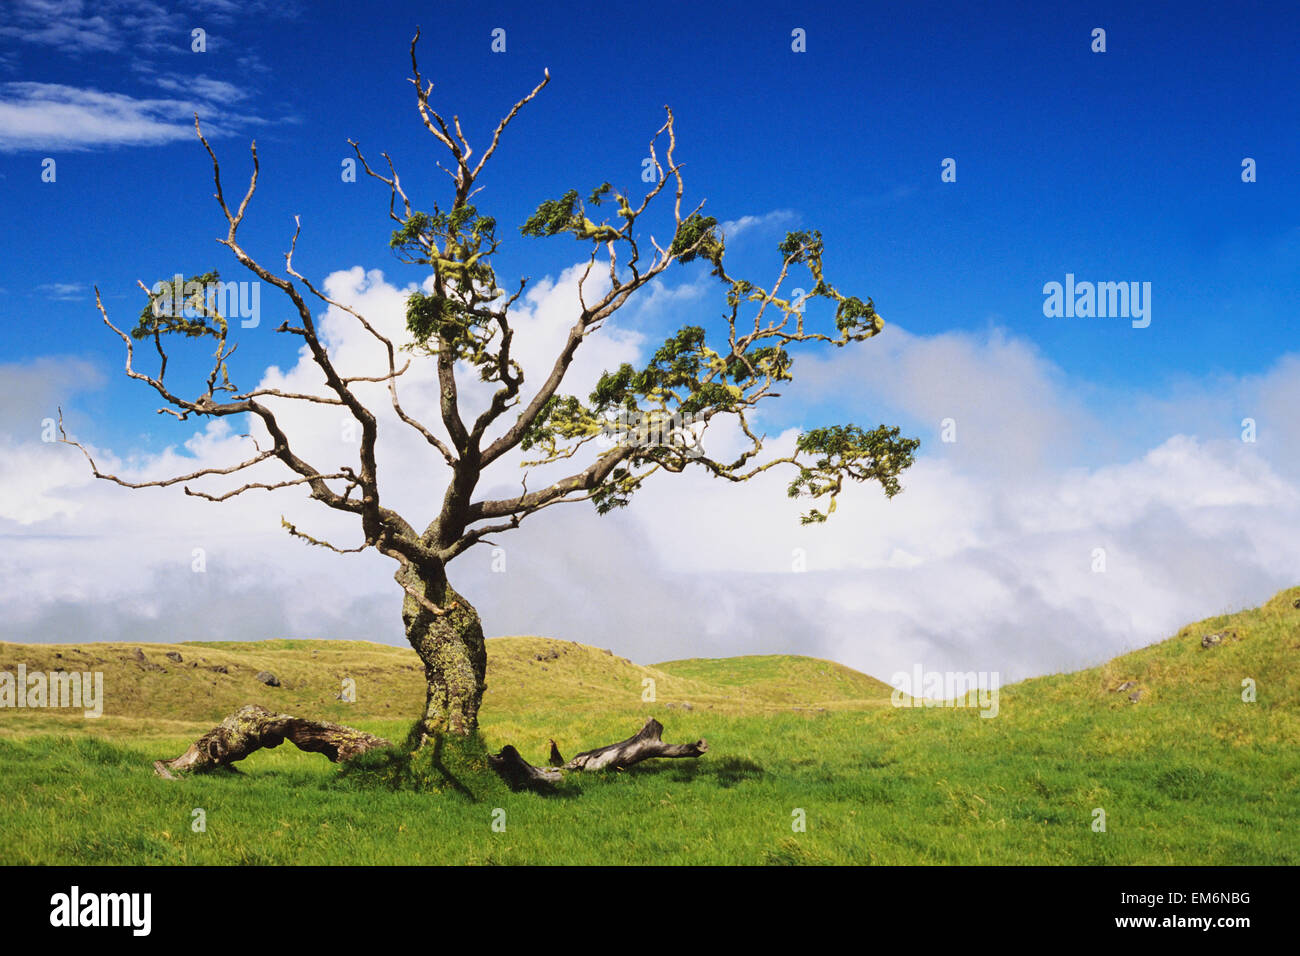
(451, 647)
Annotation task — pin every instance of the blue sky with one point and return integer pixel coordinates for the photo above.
(1115, 166)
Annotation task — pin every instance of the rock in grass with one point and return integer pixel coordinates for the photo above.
(137, 656)
(174, 656)
(269, 679)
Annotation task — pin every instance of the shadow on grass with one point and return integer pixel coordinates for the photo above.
(456, 765)
(726, 772)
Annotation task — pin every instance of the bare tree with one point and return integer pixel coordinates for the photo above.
(637, 421)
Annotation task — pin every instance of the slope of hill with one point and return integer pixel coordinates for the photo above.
(169, 687)
(785, 679)
(1205, 672)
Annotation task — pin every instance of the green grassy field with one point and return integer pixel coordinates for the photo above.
(1188, 774)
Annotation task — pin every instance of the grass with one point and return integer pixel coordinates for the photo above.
(1189, 774)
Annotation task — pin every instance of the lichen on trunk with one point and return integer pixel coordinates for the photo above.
(450, 644)
(252, 728)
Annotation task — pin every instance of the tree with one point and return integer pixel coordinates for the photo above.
(637, 421)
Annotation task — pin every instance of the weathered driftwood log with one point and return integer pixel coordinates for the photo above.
(251, 728)
(643, 745)
(519, 774)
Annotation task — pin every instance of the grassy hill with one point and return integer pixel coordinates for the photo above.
(1188, 772)
(148, 692)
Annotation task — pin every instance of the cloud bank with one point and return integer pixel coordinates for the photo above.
(990, 560)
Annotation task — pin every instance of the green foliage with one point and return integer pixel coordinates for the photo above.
(697, 236)
(189, 314)
(439, 322)
(846, 451)
(456, 317)
(767, 361)
(619, 389)
(685, 378)
(415, 236)
(562, 417)
(556, 216)
(553, 216)
(802, 246)
(853, 315)
(425, 315)
(460, 232)
(675, 378)
(616, 491)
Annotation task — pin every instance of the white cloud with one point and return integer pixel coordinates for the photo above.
(66, 24)
(985, 562)
(54, 116)
(63, 291)
(734, 227)
(107, 26)
(113, 26)
(203, 88)
(30, 391)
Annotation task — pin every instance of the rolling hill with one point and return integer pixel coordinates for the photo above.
(159, 687)
(1181, 752)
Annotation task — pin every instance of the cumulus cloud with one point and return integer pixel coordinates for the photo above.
(988, 561)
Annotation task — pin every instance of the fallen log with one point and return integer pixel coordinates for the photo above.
(645, 744)
(251, 728)
(519, 774)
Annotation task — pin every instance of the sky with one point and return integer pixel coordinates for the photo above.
(1085, 484)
